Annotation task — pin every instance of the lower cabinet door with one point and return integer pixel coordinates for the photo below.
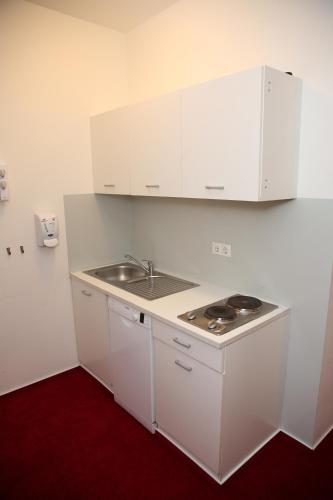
(188, 399)
(92, 330)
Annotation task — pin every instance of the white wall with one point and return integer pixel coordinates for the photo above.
(56, 71)
(196, 40)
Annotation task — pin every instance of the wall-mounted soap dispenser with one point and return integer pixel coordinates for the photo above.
(46, 230)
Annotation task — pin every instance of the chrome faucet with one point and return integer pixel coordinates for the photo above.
(149, 268)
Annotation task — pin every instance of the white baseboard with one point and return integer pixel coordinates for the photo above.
(148, 424)
(205, 468)
(52, 374)
(39, 379)
(96, 377)
(250, 455)
(319, 440)
(290, 434)
(187, 453)
(304, 443)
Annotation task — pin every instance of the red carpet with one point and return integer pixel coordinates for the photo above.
(65, 438)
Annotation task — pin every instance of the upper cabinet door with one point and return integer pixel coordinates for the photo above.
(110, 152)
(155, 147)
(221, 127)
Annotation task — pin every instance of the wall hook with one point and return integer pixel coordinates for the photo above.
(22, 248)
(9, 252)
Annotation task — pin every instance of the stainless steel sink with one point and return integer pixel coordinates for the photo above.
(133, 279)
(118, 272)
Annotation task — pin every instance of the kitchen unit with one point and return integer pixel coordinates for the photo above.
(217, 370)
(218, 397)
(233, 138)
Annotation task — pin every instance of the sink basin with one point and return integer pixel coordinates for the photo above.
(118, 272)
(135, 280)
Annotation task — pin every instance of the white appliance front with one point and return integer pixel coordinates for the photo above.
(131, 361)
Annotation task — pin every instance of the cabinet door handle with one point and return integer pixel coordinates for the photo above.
(181, 343)
(215, 187)
(152, 185)
(109, 185)
(87, 294)
(187, 368)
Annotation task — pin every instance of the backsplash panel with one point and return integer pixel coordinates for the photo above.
(278, 248)
(98, 228)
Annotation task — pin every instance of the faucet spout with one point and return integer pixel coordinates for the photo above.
(149, 268)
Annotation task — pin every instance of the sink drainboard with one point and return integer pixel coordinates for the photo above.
(156, 288)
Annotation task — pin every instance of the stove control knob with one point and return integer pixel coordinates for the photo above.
(190, 315)
(212, 324)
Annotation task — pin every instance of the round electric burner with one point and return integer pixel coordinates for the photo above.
(221, 313)
(244, 304)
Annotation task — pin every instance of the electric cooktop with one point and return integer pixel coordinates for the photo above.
(227, 314)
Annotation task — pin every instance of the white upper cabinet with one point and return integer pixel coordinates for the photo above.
(110, 152)
(234, 138)
(240, 136)
(155, 147)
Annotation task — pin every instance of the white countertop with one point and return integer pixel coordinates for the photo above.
(168, 308)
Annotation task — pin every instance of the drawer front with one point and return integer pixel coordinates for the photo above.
(206, 354)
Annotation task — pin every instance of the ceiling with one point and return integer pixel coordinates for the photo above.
(120, 15)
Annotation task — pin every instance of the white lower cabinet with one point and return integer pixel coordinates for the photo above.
(92, 330)
(188, 403)
(218, 405)
(220, 417)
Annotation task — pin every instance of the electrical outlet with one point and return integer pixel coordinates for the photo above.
(4, 196)
(226, 249)
(216, 248)
(223, 249)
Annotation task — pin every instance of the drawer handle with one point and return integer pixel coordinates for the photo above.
(109, 185)
(181, 343)
(87, 294)
(215, 187)
(187, 368)
(152, 186)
